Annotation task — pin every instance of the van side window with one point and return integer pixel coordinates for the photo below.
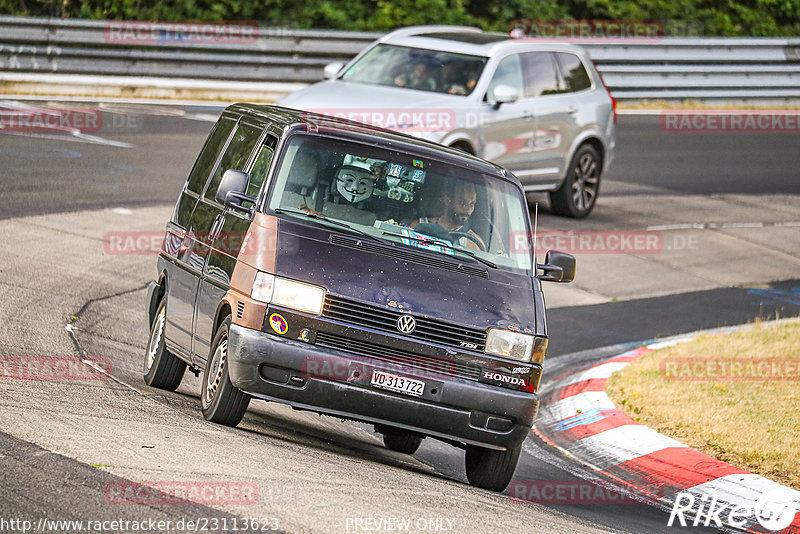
(261, 166)
(573, 72)
(540, 74)
(509, 72)
(208, 156)
(235, 157)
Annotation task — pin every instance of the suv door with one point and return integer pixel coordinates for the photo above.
(183, 274)
(508, 129)
(554, 121)
(208, 223)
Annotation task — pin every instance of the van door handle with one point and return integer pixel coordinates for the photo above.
(216, 228)
(527, 114)
(572, 109)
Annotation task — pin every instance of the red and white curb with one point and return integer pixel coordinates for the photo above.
(579, 418)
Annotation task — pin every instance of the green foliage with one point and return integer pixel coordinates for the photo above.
(766, 18)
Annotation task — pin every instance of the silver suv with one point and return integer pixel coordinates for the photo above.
(539, 109)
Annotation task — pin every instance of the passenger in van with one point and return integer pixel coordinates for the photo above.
(458, 203)
(351, 191)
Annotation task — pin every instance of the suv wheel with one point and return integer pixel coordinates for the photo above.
(490, 469)
(402, 441)
(221, 402)
(162, 369)
(578, 194)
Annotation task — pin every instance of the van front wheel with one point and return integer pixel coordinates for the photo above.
(402, 441)
(221, 401)
(490, 469)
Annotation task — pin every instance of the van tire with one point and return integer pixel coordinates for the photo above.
(582, 181)
(220, 400)
(162, 369)
(490, 469)
(402, 441)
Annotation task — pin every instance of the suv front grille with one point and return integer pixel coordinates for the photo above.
(426, 365)
(378, 318)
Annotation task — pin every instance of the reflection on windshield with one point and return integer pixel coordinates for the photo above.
(413, 68)
(403, 198)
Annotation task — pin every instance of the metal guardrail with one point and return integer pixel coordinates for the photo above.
(670, 68)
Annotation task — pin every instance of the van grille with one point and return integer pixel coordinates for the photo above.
(378, 318)
(427, 366)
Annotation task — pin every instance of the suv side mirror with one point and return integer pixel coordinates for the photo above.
(332, 69)
(231, 191)
(557, 267)
(503, 94)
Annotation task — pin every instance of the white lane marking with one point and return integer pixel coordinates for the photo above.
(621, 444)
(122, 211)
(714, 226)
(75, 137)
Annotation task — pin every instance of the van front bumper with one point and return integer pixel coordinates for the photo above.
(327, 381)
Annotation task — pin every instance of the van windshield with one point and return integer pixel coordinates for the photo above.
(401, 197)
(417, 68)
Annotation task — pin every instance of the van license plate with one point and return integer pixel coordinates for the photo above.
(400, 384)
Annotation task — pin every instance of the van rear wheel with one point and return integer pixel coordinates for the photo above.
(162, 369)
(221, 401)
(490, 469)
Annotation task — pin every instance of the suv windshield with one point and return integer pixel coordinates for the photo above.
(404, 198)
(416, 68)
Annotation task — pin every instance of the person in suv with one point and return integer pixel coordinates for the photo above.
(539, 109)
(272, 294)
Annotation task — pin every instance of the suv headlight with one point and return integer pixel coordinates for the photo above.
(516, 346)
(284, 292)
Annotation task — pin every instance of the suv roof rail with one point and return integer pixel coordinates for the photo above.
(414, 30)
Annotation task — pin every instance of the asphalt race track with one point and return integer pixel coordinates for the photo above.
(63, 444)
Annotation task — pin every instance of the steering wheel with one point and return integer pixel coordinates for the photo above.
(471, 237)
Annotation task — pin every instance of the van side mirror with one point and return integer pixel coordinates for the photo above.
(557, 267)
(231, 191)
(332, 69)
(503, 94)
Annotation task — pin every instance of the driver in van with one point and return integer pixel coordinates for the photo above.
(458, 204)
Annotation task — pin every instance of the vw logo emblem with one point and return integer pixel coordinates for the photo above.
(406, 324)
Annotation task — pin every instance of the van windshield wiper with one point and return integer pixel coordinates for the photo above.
(321, 217)
(447, 244)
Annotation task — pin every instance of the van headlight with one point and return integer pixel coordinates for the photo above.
(284, 292)
(516, 346)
